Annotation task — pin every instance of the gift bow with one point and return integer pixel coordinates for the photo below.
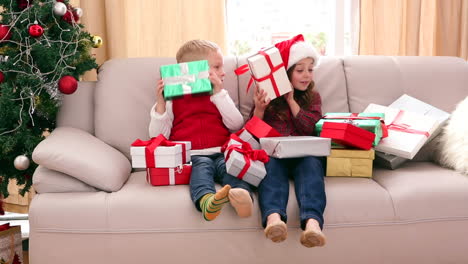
(402, 127)
(247, 152)
(354, 116)
(152, 144)
(244, 68)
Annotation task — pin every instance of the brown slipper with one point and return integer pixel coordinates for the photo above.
(312, 238)
(277, 231)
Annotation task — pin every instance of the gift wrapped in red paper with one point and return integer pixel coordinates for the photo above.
(348, 135)
(169, 176)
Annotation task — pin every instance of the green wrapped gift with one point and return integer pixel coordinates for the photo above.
(369, 121)
(185, 78)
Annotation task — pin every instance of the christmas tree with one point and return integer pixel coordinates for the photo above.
(43, 52)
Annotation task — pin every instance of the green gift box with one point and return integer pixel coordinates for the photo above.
(186, 78)
(369, 121)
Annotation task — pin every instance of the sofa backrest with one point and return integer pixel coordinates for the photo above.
(125, 91)
(439, 81)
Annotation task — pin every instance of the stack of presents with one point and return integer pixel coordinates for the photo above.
(351, 142)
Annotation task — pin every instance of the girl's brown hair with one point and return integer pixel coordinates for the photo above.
(303, 98)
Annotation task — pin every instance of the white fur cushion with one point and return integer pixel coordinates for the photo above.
(453, 145)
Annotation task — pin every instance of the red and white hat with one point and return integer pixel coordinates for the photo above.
(295, 49)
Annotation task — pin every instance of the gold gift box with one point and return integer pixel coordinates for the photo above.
(350, 163)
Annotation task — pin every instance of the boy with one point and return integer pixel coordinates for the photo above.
(207, 122)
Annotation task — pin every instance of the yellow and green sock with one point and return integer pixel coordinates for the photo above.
(211, 203)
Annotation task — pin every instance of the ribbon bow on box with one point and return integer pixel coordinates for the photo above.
(246, 150)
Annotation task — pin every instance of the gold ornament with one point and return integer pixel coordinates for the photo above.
(46, 133)
(21, 162)
(97, 41)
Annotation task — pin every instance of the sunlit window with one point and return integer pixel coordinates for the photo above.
(330, 25)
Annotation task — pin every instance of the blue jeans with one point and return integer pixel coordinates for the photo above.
(309, 185)
(206, 170)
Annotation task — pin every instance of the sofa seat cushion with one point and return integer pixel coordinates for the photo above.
(139, 207)
(423, 191)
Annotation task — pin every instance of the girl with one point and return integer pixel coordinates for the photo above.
(293, 114)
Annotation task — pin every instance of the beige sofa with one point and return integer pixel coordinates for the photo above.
(92, 209)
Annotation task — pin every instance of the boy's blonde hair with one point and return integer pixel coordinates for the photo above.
(194, 50)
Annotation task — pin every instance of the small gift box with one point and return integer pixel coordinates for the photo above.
(169, 176)
(244, 162)
(185, 78)
(348, 134)
(296, 146)
(158, 152)
(247, 137)
(373, 122)
(255, 129)
(269, 73)
(407, 131)
(350, 162)
(11, 245)
(408, 103)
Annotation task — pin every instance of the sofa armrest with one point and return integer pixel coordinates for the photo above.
(81, 155)
(50, 181)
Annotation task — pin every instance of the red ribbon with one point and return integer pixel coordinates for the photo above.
(150, 146)
(5, 227)
(184, 151)
(354, 116)
(398, 126)
(244, 68)
(246, 150)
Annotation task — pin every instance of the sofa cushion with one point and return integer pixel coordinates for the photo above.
(125, 93)
(439, 81)
(77, 153)
(139, 206)
(45, 180)
(329, 79)
(423, 191)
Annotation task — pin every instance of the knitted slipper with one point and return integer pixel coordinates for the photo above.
(312, 238)
(277, 231)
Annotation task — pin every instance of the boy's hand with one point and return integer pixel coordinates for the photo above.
(160, 102)
(261, 102)
(216, 81)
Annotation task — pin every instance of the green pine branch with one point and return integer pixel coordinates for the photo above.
(29, 95)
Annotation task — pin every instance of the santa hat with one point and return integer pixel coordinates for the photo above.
(295, 49)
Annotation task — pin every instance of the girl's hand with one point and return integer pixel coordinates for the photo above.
(289, 97)
(216, 81)
(260, 100)
(160, 102)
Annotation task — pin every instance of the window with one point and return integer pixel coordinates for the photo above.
(330, 25)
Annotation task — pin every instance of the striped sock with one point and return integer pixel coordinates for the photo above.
(211, 203)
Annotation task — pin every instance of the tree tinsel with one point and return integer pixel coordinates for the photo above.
(32, 67)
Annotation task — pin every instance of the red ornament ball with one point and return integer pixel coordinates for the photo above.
(67, 84)
(22, 4)
(5, 33)
(2, 77)
(36, 31)
(71, 16)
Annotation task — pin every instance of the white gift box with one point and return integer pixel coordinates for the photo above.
(188, 147)
(408, 103)
(296, 146)
(165, 157)
(236, 162)
(260, 68)
(404, 144)
(247, 137)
